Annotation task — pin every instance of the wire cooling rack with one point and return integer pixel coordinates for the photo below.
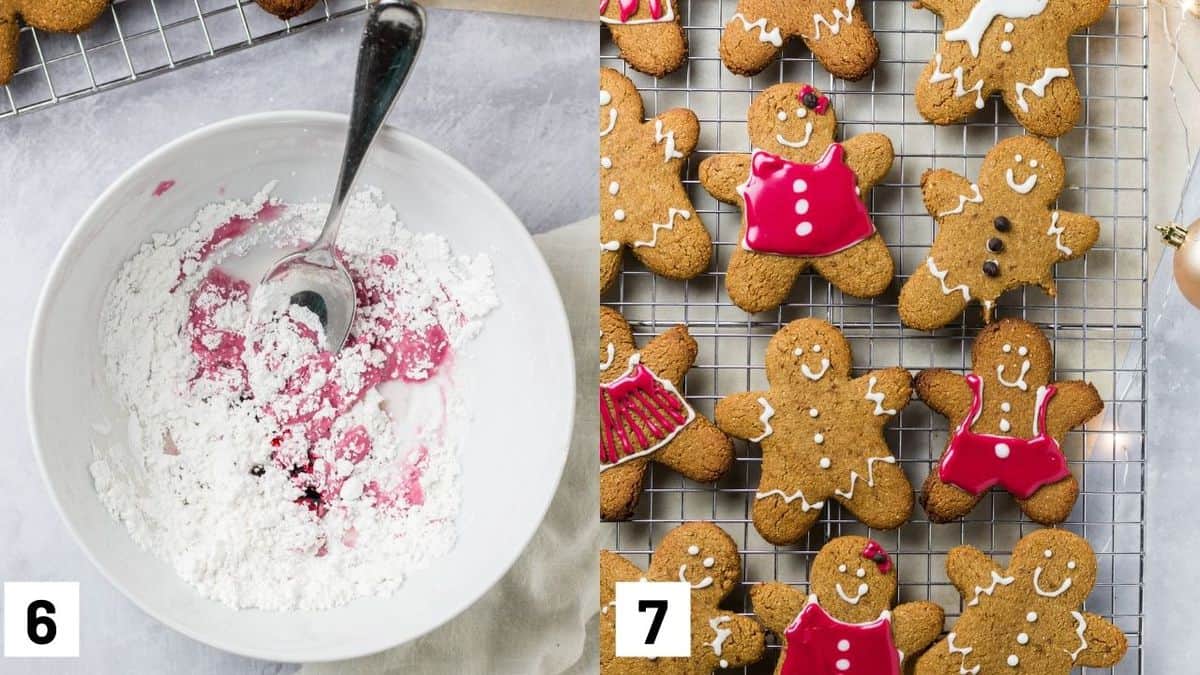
(1096, 322)
(136, 39)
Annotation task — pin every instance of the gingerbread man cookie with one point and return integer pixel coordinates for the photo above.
(1025, 618)
(802, 198)
(1015, 47)
(48, 15)
(835, 31)
(648, 33)
(994, 236)
(846, 625)
(286, 9)
(1008, 420)
(643, 204)
(821, 434)
(704, 556)
(644, 418)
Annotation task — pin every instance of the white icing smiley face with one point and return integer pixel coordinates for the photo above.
(1063, 586)
(1026, 186)
(860, 590)
(706, 563)
(784, 134)
(1019, 382)
(809, 372)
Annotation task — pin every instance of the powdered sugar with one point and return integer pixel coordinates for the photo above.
(268, 472)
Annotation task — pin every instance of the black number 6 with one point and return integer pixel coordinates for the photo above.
(33, 621)
(660, 611)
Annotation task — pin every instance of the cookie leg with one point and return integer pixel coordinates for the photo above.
(924, 302)
(752, 38)
(10, 34)
(852, 52)
(757, 282)
(610, 269)
(62, 16)
(944, 502)
(654, 49)
(937, 94)
(1052, 504)
(938, 661)
(1052, 114)
(700, 452)
(864, 270)
(620, 488)
(884, 506)
(781, 521)
(679, 246)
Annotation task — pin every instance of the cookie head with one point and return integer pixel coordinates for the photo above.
(1023, 166)
(807, 350)
(1058, 564)
(620, 102)
(854, 579)
(701, 555)
(616, 340)
(795, 121)
(1012, 354)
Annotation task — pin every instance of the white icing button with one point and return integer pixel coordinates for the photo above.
(1008, 26)
(800, 185)
(843, 645)
(1006, 46)
(693, 550)
(1018, 159)
(816, 348)
(1022, 638)
(606, 162)
(1005, 426)
(782, 116)
(801, 207)
(843, 664)
(1006, 407)
(804, 229)
(813, 412)
(1006, 348)
(1002, 450)
(824, 463)
(842, 569)
(724, 663)
(709, 562)
(818, 439)
(614, 187)
(619, 215)
(1048, 553)
(1023, 351)
(1031, 617)
(1071, 565)
(860, 573)
(1013, 660)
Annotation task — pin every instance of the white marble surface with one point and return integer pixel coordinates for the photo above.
(518, 112)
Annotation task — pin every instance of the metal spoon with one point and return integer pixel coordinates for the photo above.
(315, 277)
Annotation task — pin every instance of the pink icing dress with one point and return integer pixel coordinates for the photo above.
(975, 462)
(639, 413)
(806, 210)
(630, 7)
(818, 644)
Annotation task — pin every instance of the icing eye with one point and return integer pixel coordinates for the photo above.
(1023, 351)
(813, 412)
(860, 573)
(693, 550)
(709, 562)
(842, 569)
(1048, 553)
(605, 97)
(1018, 159)
(1033, 164)
(816, 349)
(781, 115)
(1006, 348)
(1008, 26)
(1071, 565)
(801, 112)
(798, 351)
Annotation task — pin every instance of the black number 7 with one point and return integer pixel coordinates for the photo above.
(660, 612)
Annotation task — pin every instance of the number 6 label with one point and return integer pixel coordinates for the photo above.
(41, 619)
(653, 619)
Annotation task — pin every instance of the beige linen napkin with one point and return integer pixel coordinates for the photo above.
(533, 621)
(582, 10)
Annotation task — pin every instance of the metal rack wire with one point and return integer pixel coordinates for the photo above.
(137, 39)
(1096, 322)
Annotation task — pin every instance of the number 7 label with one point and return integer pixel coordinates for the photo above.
(653, 619)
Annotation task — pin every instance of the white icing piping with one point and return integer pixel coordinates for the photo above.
(722, 633)
(765, 418)
(612, 352)
(788, 499)
(997, 579)
(1058, 233)
(613, 245)
(941, 276)
(808, 129)
(704, 583)
(965, 651)
(957, 75)
(669, 225)
(669, 152)
(835, 26)
(815, 376)
(764, 35)
(611, 603)
(1038, 87)
(612, 122)
(962, 202)
(854, 475)
(668, 15)
(1018, 383)
(984, 12)
(1037, 587)
(877, 397)
(635, 359)
(853, 600)
(1042, 392)
(1024, 187)
(1080, 628)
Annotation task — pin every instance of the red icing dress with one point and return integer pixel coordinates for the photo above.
(975, 462)
(807, 210)
(630, 7)
(639, 413)
(818, 644)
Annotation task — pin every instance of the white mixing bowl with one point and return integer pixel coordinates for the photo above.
(517, 376)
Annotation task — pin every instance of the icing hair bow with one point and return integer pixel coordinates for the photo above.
(818, 103)
(875, 553)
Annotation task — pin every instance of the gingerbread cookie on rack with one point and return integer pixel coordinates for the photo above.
(994, 236)
(644, 418)
(47, 15)
(648, 33)
(1015, 47)
(1008, 420)
(846, 622)
(835, 31)
(1026, 617)
(286, 9)
(704, 556)
(643, 204)
(802, 197)
(821, 433)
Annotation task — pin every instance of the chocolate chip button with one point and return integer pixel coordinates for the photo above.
(995, 245)
(810, 100)
(991, 268)
(1002, 224)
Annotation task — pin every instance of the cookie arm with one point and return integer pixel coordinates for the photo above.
(614, 568)
(969, 569)
(722, 174)
(777, 604)
(1073, 234)
(915, 625)
(743, 415)
(679, 128)
(943, 190)
(936, 6)
(944, 391)
(671, 354)
(870, 157)
(1074, 403)
(1106, 644)
(895, 384)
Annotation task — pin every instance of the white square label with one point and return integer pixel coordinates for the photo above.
(654, 618)
(41, 619)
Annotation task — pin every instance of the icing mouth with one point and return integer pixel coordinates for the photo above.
(853, 600)
(704, 583)
(808, 129)
(612, 352)
(1037, 585)
(1018, 383)
(815, 376)
(1023, 187)
(612, 124)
